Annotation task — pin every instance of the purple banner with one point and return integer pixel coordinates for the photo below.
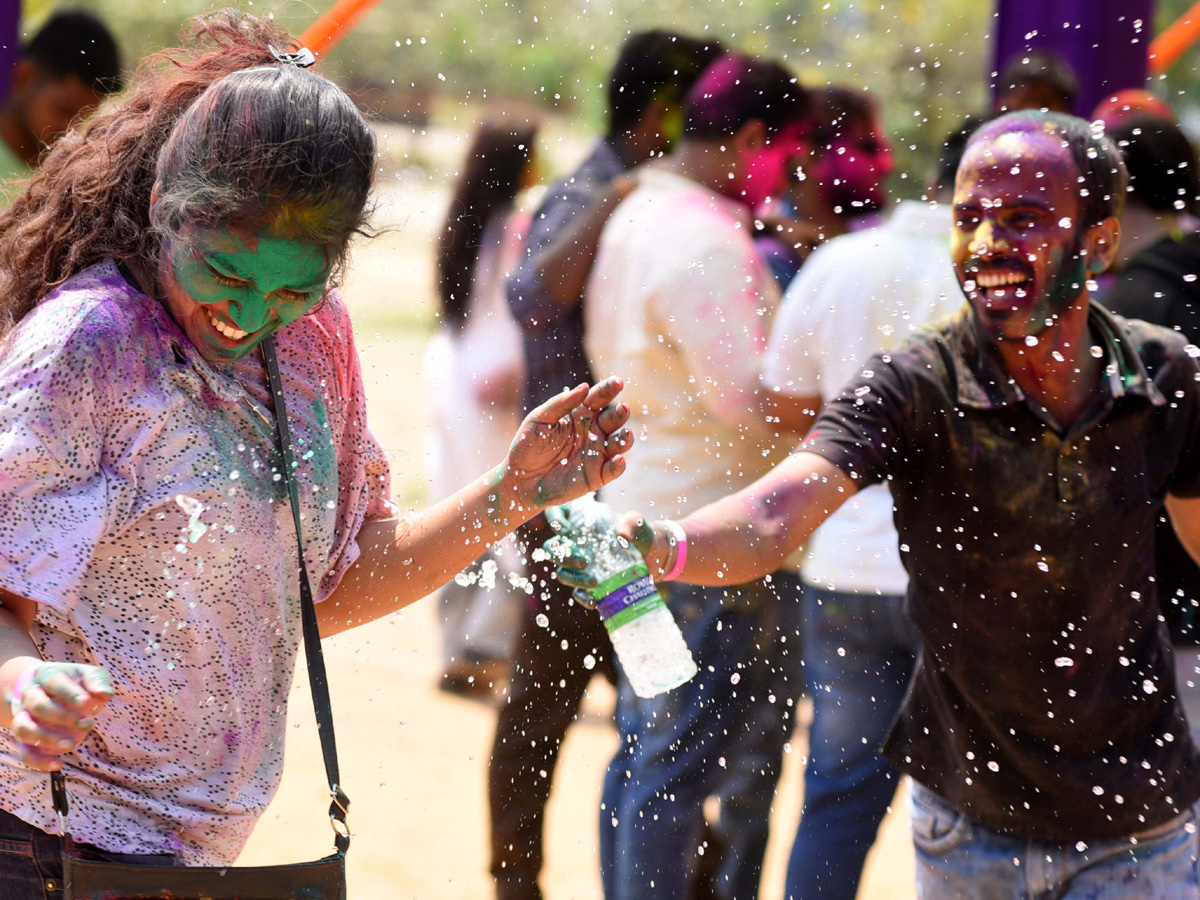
(1105, 41)
(10, 42)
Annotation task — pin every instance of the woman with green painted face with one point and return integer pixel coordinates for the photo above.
(148, 582)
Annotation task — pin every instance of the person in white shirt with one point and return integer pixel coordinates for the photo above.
(856, 295)
(475, 373)
(680, 302)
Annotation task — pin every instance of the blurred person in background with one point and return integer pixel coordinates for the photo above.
(476, 374)
(1036, 79)
(646, 87)
(680, 299)
(856, 295)
(63, 74)
(837, 184)
(1158, 281)
(1125, 104)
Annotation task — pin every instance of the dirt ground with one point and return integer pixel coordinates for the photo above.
(414, 760)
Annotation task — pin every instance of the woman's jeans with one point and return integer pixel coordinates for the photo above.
(31, 860)
(959, 858)
(859, 652)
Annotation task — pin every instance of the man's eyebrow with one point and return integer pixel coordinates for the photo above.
(1036, 202)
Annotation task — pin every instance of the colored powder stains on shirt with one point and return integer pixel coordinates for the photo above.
(679, 303)
(142, 506)
(1026, 543)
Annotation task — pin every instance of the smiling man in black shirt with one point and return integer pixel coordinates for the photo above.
(1029, 444)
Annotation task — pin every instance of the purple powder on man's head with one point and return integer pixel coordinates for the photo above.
(736, 89)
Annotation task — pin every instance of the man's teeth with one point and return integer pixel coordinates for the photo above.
(998, 279)
(228, 330)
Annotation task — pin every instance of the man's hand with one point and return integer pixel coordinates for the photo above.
(650, 539)
(568, 446)
(53, 707)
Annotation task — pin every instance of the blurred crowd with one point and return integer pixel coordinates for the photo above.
(770, 290)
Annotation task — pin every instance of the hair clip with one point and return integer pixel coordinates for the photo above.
(301, 59)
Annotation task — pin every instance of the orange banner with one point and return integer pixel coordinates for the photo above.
(1176, 39)
(323, 34)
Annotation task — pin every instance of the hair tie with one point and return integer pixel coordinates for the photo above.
(301, 59)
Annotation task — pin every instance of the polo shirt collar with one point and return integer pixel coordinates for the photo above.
(984, 384)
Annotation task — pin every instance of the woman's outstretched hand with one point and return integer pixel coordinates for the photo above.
(571, 444)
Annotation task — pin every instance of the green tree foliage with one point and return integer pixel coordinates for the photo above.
(925, 60)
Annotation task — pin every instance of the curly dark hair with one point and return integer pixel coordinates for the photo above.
(219, 132)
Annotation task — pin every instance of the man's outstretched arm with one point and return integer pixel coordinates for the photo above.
(747, 535)
(1185, 519)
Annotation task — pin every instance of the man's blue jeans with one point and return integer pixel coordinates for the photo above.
(959, 858)
(859, 652)
(681, 747)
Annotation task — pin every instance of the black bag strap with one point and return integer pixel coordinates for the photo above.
(317, 679)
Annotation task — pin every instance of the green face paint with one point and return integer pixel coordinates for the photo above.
(229, 289)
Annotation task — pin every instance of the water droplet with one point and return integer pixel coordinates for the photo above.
(564, 644)
(1031, 340)
(1043, 565)
(1149, 687)
(1192, 350)
(735, 678)
(841, 651)
(1064, 661)
(1096, 351)
(1097, 790)
(1080, 846)
(993, 765)
(542, 621)
(589, 662)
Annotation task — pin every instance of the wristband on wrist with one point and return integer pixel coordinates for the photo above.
(678, 538)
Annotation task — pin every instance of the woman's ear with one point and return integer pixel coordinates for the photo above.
(1101, 244)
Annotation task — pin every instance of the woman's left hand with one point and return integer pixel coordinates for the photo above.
(568, 446)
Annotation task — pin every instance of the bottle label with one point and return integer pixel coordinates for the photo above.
(619, 580)
(627, 615)
(626, 596)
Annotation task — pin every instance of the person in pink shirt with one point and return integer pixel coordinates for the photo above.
(148, 574)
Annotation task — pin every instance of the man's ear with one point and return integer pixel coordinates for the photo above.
(751, 136)
(24, 74)
(652, 117)
(1100, 244)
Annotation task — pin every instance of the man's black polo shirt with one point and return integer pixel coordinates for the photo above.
(1044, 701)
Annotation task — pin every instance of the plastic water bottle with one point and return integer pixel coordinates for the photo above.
(643, 632)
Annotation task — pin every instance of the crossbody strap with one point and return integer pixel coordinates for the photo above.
(317, 679)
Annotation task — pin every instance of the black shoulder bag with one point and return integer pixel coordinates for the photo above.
(324, 879)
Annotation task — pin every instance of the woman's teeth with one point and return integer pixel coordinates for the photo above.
(229, 331)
